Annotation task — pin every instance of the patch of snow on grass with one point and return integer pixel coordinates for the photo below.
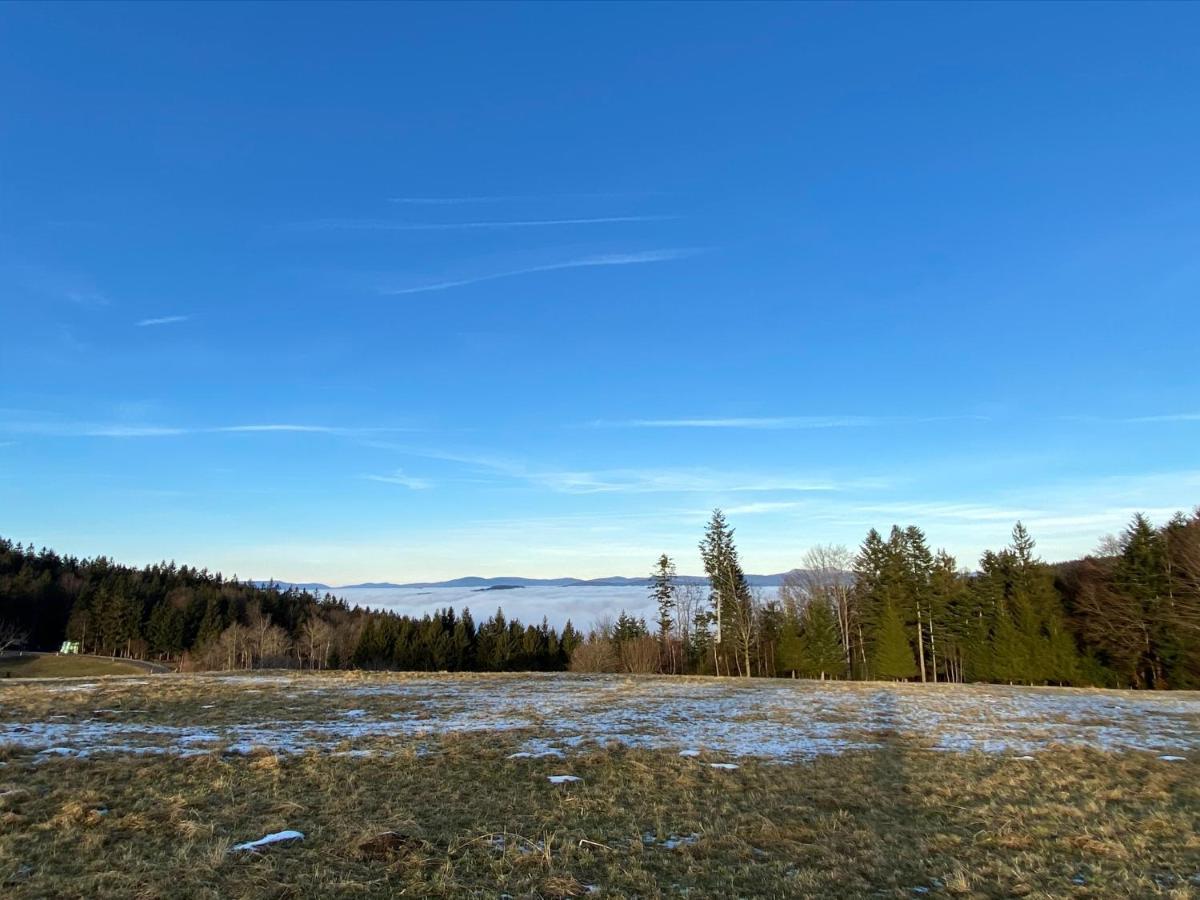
(671, 842)
(731, 718)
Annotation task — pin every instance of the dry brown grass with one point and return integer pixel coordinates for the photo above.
(453, 816)
(465, 821)
(51, 666)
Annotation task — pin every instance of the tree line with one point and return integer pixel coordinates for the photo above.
(1127, 616)
(204, 621)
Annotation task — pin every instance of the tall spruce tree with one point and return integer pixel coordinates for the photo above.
(918, 572)
(789, 654)
(662, 591)
(893, 654)
(820, 642)
(730, 594)
(870, 595)
(1141, 577)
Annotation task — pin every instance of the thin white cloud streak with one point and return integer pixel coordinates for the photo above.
(475, 460)
(71, 287)
(454, 201)
(641, 481)
(779, 422)
(124, 431)
(86, 298)
(676, 481)
(398, 477)
(769, 422)
(611, 259)
(1133, 420)
(50, 429)
(511, 198)
(286, 427)
(917, 512)
(380, 225)
(1170, 417)
(161, 320)
(310, 429)
(754, 509)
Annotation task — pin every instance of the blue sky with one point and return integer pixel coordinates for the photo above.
(405, 292)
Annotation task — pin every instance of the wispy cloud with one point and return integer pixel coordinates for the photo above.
(676, 481)
(510, 198)
(161, 320)
(86, 297)
(384, 225)
(753, 509)
(452, 201)
(295, 428)
(54, 284)
(778, 422)
(474, 460)
(398, 477)
(1169, 417)
(311, 429)
(610, 259)
(122, 430)
(916, 511)
(680, 480)
(1133, 420)
(767, 422)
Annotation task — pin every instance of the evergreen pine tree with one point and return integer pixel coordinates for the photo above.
(730, 594)
(164, 630)
(662, 591)
(1141, 577)
(893, 654)
(869, 597)
(820, 642)
(789, 654)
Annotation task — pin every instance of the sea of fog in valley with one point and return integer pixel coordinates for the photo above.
(583, 605)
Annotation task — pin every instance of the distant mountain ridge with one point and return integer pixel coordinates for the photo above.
(476, 581)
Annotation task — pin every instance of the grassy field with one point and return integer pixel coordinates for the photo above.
(141, 787)
(52, 666)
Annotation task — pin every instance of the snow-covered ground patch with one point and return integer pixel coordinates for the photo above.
(557, 715)
(670, 842)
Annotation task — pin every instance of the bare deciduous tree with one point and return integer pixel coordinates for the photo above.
(793, 593)
(826, 577)
(640, 656)
(689, 600)
(12, 637)
(596, 654)
(316, 641)
(273, 647)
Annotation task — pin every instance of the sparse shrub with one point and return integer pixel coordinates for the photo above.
(640, 656)
(596, 654)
